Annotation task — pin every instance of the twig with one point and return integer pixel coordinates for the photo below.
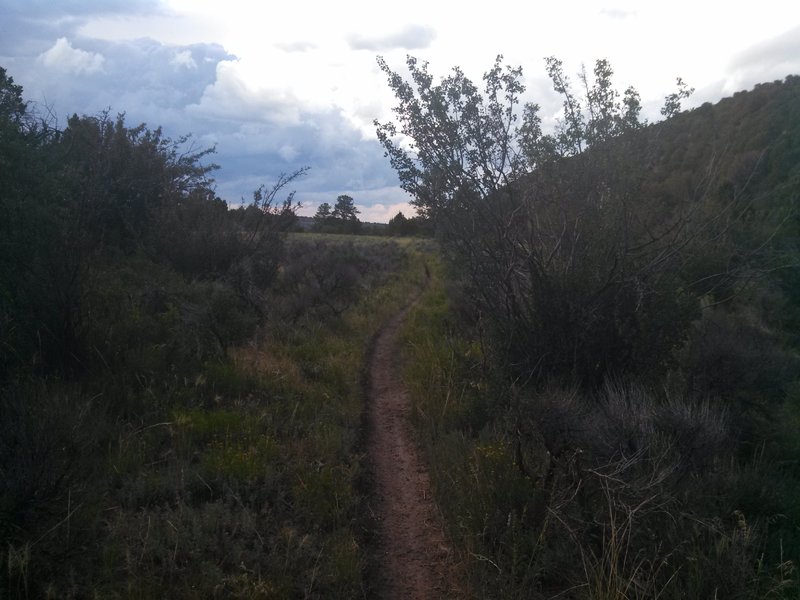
(57, 525)
(485, 559)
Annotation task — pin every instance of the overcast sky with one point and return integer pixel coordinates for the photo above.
(280, 85)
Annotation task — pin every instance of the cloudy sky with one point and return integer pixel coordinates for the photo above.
(280, 85)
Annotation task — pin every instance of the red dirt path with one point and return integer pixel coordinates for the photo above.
(414, 555)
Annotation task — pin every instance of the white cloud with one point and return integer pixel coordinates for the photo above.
(288, 152)
(184, 58)
(411, 37)
(773, 59)
(376, 205)
(368, 213)
(231, 98)
(383, 213)
(64, 57)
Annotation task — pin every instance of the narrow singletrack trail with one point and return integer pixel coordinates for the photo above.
(414, 557)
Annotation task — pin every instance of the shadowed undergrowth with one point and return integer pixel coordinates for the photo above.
(188, 474)
(628, 492)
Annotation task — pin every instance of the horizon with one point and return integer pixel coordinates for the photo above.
(308, 93)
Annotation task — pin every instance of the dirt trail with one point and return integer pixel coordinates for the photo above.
(414, 556)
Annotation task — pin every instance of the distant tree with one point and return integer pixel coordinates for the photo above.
(324, 212)
(343, 216)
(339, 218)
(323, 219)
(422, 226)
(400, 225)
(345, 209)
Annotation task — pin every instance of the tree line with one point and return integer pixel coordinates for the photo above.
(343, 218)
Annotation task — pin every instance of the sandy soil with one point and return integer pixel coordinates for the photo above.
(414, 555)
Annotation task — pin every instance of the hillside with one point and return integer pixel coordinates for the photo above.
(607, 390)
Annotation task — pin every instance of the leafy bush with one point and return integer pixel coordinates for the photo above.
(321, 279)
(627, 491)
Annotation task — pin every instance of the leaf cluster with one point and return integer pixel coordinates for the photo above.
(579, 264)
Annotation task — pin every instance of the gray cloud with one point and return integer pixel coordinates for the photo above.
(144, 78)
(411, 37)
(229, 98)
(258, 134)
(192, 89)
(32, 26)
(22, 36)
(773, 59)
(49, 9)
(340, 160)
(768, 61)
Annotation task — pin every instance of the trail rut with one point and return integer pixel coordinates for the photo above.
(413, 560)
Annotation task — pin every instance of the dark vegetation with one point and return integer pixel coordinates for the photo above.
(343, 218)
(180, 395)
(402, 226)
(608, 387)
(605, 365)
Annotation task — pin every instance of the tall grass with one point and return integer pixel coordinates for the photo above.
(627, 493)
(227, 474)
